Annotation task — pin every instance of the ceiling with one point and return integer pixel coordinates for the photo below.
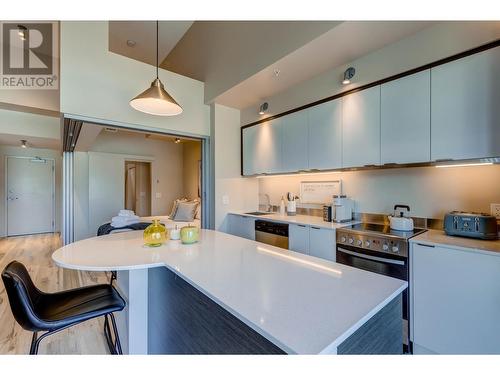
(237, 60)
(342, 44)
(33, 142)
(143, 33)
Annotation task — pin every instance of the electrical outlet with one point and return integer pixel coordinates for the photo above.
(225, 200)
(495, 209)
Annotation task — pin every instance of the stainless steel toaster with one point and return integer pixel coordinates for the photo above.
(471, 224)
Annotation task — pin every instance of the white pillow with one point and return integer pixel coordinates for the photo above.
(185, 211)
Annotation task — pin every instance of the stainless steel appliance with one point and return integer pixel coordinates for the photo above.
(380, 249)
(342, 208)
(271, 233)
(471, 224)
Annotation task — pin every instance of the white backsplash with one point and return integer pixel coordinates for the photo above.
(429, 191)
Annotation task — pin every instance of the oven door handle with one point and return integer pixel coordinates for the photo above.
(371, 257)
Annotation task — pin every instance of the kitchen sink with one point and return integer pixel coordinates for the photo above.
(258, 213)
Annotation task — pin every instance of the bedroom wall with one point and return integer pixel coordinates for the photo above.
(30, 152)
(100, 177)
(190, 173)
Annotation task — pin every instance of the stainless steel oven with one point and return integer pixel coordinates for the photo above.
(375, 248)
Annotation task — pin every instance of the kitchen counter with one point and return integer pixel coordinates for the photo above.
(439, 237)
(299, 303)
(316, 221)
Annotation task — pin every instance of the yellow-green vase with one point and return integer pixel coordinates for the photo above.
(155, 234)
(189, 234)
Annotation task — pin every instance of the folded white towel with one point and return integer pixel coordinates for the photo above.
(123, 221)
(126, 213)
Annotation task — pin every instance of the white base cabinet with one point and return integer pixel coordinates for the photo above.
(298, 238)
(455, 298)
(315, 241)
(322, 243)
(241, 226)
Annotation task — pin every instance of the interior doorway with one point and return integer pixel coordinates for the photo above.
(30, 195)
(138, 187)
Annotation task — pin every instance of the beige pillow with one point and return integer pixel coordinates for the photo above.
(175, 205)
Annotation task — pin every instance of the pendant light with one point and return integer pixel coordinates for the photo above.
(155, 100)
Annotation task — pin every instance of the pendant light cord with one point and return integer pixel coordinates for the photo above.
(156, 49)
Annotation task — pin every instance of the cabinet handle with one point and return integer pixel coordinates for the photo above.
(300, 225)
(389, 164)
(425, 245)
(370, 165)
(315, 228)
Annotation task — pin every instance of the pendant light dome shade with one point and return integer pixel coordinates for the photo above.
(156, 101)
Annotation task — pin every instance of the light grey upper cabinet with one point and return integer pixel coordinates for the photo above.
(361, 128)
(465, 107)
(405, 119)
(325, 135)
(262, 148)
(294, 142)
(249, 136)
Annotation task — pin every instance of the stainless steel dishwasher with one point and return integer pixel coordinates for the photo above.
(271, 233)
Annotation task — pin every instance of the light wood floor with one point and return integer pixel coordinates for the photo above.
(35, 253)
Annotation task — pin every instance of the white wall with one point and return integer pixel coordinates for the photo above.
(29, 124)
(441, 40)
(242, 193)
(429, 191)
(29, 152)
(99, 84)
(100, 181)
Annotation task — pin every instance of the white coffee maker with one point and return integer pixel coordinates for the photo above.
(342, 208)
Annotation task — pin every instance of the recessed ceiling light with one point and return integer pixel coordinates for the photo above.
(131, 43)
(177, 140)
(277, 72)
(24, 143)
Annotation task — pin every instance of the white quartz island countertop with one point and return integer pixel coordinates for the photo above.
(302, 304)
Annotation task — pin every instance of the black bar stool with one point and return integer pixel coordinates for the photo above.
(37, 311)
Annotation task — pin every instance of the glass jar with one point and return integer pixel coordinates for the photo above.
(155, 234)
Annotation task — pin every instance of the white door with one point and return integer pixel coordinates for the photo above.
(465, 115)
(298, 238)
(325, 135)
(322, 243)
(294, 142)
(361, 128)
(30, 195)
(406, 119)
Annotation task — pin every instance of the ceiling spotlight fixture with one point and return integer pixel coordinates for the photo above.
(155, 100)
(24, 143)
(21, 31)
(276, 72)
(131, 43)
(348, 74)
(263, 108)
(177, 140)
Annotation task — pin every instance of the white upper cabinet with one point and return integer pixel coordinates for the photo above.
(405, 119)
(465, 107)
(294, 142)
(361, 128)
(262, 148)
(325, 135)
